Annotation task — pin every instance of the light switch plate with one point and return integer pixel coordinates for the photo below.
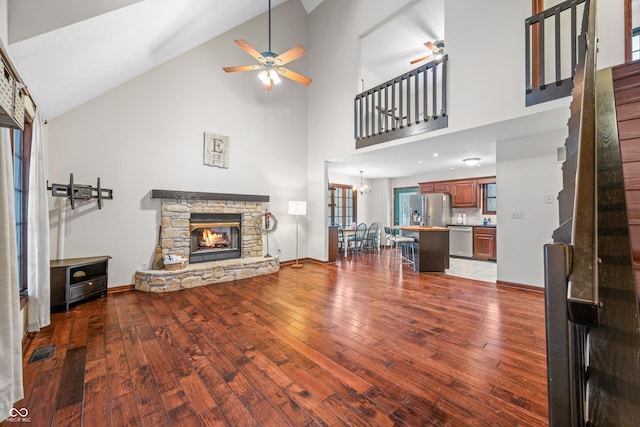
(517, 215)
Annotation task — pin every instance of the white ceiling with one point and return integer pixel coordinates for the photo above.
(68, 63)
(389, 48)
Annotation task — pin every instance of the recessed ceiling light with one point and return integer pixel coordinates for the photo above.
(473, 161)
(419, 162)
(435, 154)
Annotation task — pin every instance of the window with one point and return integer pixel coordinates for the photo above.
(20, 181)
(490, 201)
(343, 203)
(402, 204)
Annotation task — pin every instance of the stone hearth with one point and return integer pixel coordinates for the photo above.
(204, 273)
(176, 209)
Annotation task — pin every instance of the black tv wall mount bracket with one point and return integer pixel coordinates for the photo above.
(81, 192)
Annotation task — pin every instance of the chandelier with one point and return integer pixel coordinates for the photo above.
(363, 189)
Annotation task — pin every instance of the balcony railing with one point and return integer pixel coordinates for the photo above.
(551, 43)
(411, 104)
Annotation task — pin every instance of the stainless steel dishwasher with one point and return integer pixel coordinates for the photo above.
(461, 241)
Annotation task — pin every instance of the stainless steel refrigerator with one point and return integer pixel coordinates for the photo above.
(432, 210)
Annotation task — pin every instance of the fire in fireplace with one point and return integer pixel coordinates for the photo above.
(215, 237)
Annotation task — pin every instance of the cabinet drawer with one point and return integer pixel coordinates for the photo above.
(87, 288)
(485, 230)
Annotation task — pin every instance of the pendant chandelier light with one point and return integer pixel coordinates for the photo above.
(363, 189)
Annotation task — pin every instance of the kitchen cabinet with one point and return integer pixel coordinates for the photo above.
(484, 243)
(77, 279)
(464, 194)
(442, 187)
(427, 187)
(435, 187)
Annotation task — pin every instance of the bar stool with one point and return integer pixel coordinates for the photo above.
(407, 253)
(404, 243)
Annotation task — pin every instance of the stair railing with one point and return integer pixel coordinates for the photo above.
(554, 51)
(410, 104)
(571, 268)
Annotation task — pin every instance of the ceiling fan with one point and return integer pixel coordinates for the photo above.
(436, 48)
(271, 64)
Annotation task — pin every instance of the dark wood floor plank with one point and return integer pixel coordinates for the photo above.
(96, 343)
(357, 342)
(178, 407)
(70, 415)
(72, 382)
(118, 373)
(124, 411)
(96, 394)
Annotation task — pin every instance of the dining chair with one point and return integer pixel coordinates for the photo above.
(340, 238)
(356, 241)
(371, 238)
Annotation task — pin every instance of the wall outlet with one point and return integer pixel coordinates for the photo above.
(548, 198)
(517, 215)
(144, 266)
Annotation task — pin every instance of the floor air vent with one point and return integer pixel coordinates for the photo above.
(42, 353)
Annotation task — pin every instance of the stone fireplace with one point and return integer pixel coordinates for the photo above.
(215, 232)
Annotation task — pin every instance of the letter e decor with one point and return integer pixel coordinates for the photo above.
(216, 150)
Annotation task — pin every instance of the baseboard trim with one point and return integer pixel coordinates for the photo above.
(302, 261)
(119, 289)
(520, 286)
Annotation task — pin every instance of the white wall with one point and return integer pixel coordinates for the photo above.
(527, 171)
(148, 134)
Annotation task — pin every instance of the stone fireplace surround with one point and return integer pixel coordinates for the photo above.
(176, 209)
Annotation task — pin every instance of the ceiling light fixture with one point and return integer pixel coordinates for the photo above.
(364, 189)
(473, 161)
(268, 76)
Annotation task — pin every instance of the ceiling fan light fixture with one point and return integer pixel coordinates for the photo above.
(264, 77)
(273, 74)
(472, 161)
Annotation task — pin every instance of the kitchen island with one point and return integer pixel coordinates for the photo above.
(431, 248)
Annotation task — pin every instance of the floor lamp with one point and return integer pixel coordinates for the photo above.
(297, 208)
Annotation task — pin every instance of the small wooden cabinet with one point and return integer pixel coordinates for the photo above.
(77, 279)
(464, 194)
(484, 243)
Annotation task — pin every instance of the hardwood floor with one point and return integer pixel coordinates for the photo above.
(355, 343)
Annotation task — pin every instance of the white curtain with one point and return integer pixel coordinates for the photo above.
(10, 322)
(38, 232)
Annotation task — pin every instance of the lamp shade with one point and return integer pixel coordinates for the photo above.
(297, 207)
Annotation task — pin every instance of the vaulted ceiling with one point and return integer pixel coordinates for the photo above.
(70, 51)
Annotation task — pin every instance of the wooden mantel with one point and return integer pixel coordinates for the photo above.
(191, 195)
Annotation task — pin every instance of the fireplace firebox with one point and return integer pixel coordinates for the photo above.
(215, 236)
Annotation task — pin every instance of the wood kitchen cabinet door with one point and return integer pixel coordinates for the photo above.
(426, 187)
(484, 243)
(442, 187)
(464, 194)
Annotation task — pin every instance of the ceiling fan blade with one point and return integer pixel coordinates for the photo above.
(242, 68)
(249, 49)
(298, 78)
(420, 59)
(290, 55)
(431, 46)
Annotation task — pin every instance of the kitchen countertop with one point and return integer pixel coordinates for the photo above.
(418, 228)
(472, 225)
